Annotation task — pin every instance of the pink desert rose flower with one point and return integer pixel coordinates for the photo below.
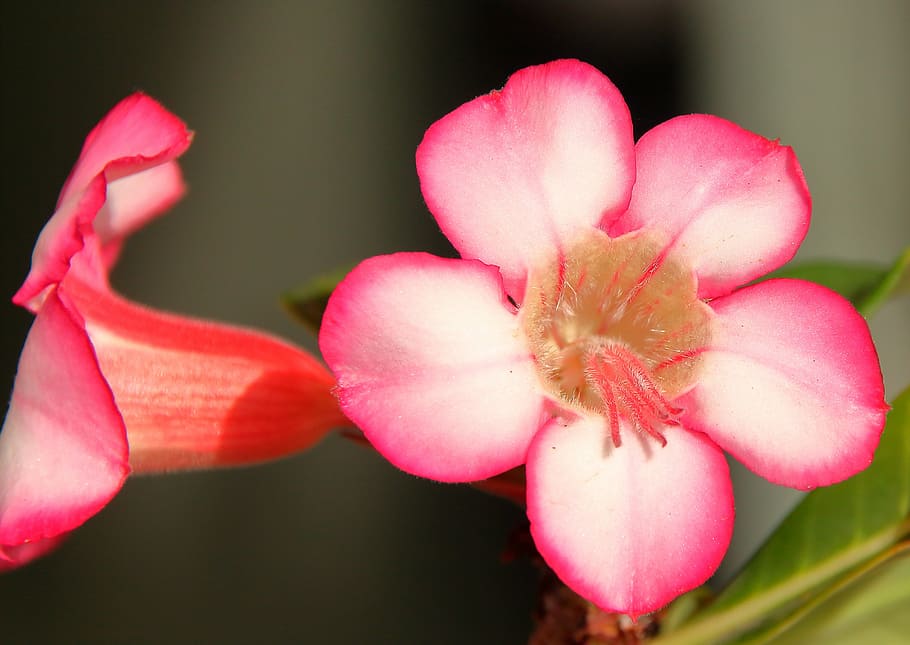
(106, 387)
(596, 330)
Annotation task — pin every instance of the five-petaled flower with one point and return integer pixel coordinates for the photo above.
(595, 330)
(106, 386)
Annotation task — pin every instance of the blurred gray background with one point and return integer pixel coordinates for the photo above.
(307, 115)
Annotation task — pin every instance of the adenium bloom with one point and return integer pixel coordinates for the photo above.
(596, 330)
(106, 387)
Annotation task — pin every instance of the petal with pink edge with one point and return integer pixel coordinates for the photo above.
(63, 449)
(62, 237)
(734, 204)
(136, 134)
(431, 365)
(134, 200)
(790, 385)
(628, 528)
(524, 169)
(13, 557)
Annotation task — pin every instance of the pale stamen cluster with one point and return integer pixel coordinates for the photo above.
(617, 329)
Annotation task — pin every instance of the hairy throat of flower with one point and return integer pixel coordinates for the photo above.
(617, 329)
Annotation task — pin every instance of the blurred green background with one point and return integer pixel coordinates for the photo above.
(307, 115)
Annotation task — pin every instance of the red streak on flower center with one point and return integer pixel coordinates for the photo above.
(621, 380)
(617, 329)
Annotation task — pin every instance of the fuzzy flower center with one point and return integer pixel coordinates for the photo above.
(617, 329)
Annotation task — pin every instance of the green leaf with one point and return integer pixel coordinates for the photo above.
(307, 302)
(681, 609)
(832, 531)
(867, 286)
(867, 606)
(895, 283)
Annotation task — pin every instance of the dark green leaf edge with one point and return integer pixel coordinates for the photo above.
(307, 303)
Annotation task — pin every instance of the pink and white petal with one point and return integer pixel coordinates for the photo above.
(628, 528)
(734, 204)
(135, 199)
(431, 365)
(62, 237)
(63, 449)
(13, 557)
(524, 169)
(791, 384)
(197, 394)
(136, 134)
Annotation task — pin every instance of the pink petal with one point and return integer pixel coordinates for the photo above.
(61, 238)
(791, 385)
(134, 200)
(523, 170)
(13, 557)
(196, 394)
(733, 203)
(63, 450)
(628, 528)
(136, 134)
(431, 365)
